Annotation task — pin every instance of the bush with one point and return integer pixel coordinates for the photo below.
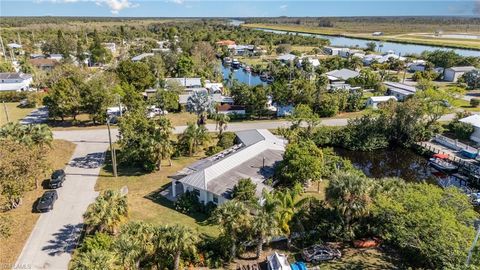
(329, 105)
(462, 130)
(188, 203)
(474, 102)
(12, 96)
(212, 150)
(226, 140)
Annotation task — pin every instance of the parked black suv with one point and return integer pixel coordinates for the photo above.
(57, 179)
(46, 202)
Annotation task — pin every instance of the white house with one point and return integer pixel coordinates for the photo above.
(288, 57)
(15, 81)
(474, 120)
(400, 90)
(186, 82)
(341, 75)
(313, 61)
(333, 50)
(373, 102)
(452, 74)
(254, 156)
(142, 56)
(231, 109)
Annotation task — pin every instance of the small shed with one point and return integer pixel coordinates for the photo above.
(452, 74)
(278, 262)
(373, 102)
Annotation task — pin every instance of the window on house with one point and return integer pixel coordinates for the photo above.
(215, 199)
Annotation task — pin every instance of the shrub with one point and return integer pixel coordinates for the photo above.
(12, 96)
(462, 130)
(474, 102)
(188, 203)
(329, 105)
(212, 150)
(226, 140)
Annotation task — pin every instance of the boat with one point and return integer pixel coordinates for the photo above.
(269, 79)
(468, 153)
(441, 163)
(263, 77)
(235, 63)
(247, 68)
(227, 61)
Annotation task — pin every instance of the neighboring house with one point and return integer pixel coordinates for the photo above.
(417, 65)
(231, 109)
(15, 81)
(346, 52)
(474, 120)
(56, 56)
(241, 49)
(314, 62)
(37, 56)
(278, 262)
(226, 42)
(254, 156)
(371, 58)
(141, 57)
(373, 102)
(44, 64)
(287, 57)
(217, 98)
(214, 88)
(333, 50)
(343, 87)
(186, 82)
(110, 46)
(340, 76)
(452, 74)
(400, 90)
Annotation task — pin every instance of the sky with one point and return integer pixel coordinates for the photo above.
(238, 8)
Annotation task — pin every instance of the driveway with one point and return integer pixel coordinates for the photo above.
(56, 233)
(37, 116)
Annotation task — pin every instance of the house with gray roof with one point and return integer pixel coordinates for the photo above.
(186, 82)
(341, 75)
(399, 90)
(255, 155)
(10, 81)
(452, 74)
(142, 56)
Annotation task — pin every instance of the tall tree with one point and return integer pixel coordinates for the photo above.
(178, 240)
(201, 104)
(107, 213)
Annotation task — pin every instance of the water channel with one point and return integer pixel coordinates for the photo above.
(240, 75)
(398, 48)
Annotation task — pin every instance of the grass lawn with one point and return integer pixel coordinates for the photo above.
(144, 201)
(369, 258)
(14, 113)
(22, 219)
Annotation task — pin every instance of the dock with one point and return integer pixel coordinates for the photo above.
(468, 167)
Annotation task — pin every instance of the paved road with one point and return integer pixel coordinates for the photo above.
(56, 233)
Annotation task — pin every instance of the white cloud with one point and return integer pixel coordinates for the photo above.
(115, 6)
(283, 7)
(180, 2)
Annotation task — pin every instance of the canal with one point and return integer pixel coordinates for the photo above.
(240, 75)
(398, 48)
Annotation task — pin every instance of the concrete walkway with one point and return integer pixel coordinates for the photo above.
(37, 116)
(56, 233)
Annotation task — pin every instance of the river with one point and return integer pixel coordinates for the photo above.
(398, 48)
(240, 75)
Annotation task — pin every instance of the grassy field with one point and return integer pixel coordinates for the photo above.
(14, 113)
(144, 201)
(22, 219)
(413, 38)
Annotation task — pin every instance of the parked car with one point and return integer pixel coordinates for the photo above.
(319, 253)
(57, 179)
(46, 202)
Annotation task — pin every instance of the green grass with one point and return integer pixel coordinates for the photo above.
(145, 202)
(14, 113)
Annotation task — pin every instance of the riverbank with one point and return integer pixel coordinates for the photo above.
(410, 38)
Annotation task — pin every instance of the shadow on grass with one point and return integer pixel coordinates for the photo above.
(157, 197)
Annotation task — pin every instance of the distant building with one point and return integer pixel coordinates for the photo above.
(399, 90)
(286, 57)
(186, 82)
(14, 46)
(44, 64)
(231, 109)
(141, 57)
(474, 120)
(225, 42)
(110, 46)
(333, 50)
(341, 75)
(373, 102)
(55, 56)
(241, 49)
(313, 61)
(376, 34)
(255, 155)
(15, 81)
(452, 74)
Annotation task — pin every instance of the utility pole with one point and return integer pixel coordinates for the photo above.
(6, 111)
(112, 149)
(3, 49)
(469, 257)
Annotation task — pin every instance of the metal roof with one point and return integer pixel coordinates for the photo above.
(343, 74)
(400, 86)
(141, 56)
(186, 82)
(462, 69)
(14, 76)
(474, 120)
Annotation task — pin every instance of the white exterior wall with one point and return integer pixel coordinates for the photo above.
(475, 135)
(15, 85)
(451, 76)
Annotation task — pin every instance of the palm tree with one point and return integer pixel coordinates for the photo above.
(134, 244)
(264, 225)
(232, 216)
(350, 194)
(179, 239)
(286, 206)
(107, 213)
(95, 259)
(194, 136)
(163, 144)
(221, 122)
